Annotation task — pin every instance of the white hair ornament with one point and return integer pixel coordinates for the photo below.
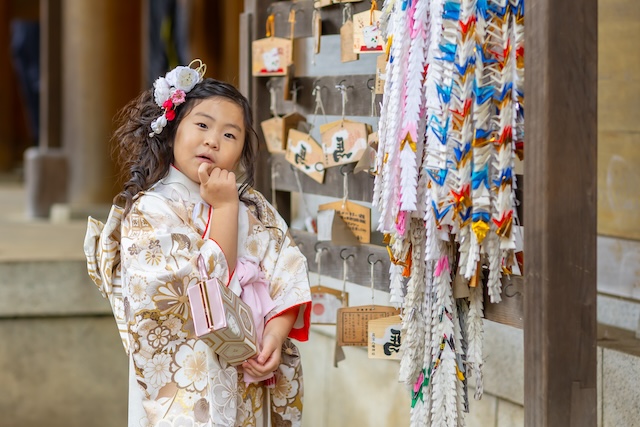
(171, 90)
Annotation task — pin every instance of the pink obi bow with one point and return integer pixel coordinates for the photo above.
(255, 293)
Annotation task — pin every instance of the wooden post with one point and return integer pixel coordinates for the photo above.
(50, 73)
(259, 100)
(101, 60)
(560, 199)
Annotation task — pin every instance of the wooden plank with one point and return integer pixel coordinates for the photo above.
(358, 94)
(360, 185)
(331, 17)
(560, 195)
(327, 62)
(510, 311)
(358, 267)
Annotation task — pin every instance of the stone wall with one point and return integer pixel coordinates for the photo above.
(61, 360)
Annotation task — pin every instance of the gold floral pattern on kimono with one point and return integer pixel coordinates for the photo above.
(144, 263)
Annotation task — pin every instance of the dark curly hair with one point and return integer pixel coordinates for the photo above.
(145, 159)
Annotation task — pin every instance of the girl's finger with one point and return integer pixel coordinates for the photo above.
(203, 172)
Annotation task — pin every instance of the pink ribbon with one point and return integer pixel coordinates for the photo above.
(255, 292)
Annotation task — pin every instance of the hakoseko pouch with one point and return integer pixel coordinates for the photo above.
(222, 319)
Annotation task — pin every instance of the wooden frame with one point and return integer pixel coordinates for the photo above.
(556, 303)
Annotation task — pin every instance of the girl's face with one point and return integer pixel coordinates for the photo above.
(213, 132)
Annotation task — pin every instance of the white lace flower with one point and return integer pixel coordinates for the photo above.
(157, 371)
(225, 393)
(192, 363)
(162, 90)
(183, 78)
(137, 291)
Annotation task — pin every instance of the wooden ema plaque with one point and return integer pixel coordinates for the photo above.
(271, 56)
(276, 130)
(325, 304)
(385, 338)
(346, 43)
(343, 142)
(353, 323)
(306, 154)
(357, 218)
(272, 131)
(367, 37)
(367, 162)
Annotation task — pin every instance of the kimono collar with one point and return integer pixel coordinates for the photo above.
(179, 182)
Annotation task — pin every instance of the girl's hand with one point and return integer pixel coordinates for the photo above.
(275, 333)
(269, 358)
(217, 186)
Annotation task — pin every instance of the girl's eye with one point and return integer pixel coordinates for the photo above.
(230, 135)
(201, 125)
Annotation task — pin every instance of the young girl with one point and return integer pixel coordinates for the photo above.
(181, 144)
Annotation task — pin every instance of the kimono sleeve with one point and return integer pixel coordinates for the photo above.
(102, 250)
(160, 250)
(286, 268)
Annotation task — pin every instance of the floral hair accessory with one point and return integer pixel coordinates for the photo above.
(171, 90)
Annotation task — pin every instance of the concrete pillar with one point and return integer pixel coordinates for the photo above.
(101, 51)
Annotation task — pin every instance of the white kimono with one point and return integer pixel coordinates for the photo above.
(144, 263)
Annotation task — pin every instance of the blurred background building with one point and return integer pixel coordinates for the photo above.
(73, 64)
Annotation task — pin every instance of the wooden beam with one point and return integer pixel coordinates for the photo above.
(358, 268)
(560, 196)
(358, 94)
(50, 74)
(331, 17)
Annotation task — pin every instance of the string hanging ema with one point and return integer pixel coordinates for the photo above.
(345, 188)
(347, 13)
(317, 93)
(343, 96)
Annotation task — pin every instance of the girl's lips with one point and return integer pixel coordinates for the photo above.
(204, 159)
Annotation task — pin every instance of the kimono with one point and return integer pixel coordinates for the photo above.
(143, 264)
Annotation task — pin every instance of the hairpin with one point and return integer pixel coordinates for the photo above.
(170, 91)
